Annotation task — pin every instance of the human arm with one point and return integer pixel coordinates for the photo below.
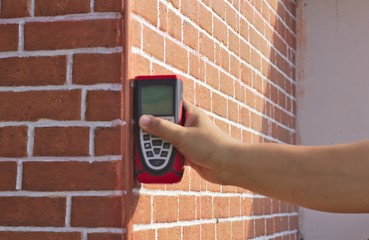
(328, 178)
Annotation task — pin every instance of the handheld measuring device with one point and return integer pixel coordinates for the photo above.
(157, 161)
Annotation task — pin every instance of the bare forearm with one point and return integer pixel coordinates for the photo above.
(331, 178)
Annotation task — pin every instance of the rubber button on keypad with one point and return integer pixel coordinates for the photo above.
(157, 142)
(157, 162)
(147, 145)
(164, 154)
(146, 137)
(149, 154)
(157, 150)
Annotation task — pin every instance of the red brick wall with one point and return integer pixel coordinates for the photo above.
(60, 118)
(61, 112)
(237, 59)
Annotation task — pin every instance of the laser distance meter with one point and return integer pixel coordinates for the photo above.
(157, 161)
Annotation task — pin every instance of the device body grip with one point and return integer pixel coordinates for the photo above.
(157, 161)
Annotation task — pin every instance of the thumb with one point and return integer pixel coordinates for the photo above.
(162, 128)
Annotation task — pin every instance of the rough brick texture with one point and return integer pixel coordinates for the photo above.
(60, 119)
(237, 60)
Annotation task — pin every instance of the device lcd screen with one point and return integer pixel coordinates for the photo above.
(157, 100)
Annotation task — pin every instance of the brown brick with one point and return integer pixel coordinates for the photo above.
(237, 230)
(235, 206)
(108, 5)
(146, 9)
(96, 212)
(165, 209)
(191, 232)
(222, 56)
(221, 207)
(190, 8)
(144, 234)
(205, 19)
(163, 21)
(174, 25)
(33, 71)
(36, 105)
(259, 227)
(141, 209)
(139, 65)
(248, 229)
(103, 105)
(153, 43)
(8, 176)
(97, 68)
(61, 7)
(173, 233)
(187, 208)
(207, 47)
(219, 105)
(13, 141)
(176, 55)
(212, 76)
(104, 236)
(220, 31)
(206, 210)
(9, 37)
(61, 141)
(208, 231)
(14, 9)
(224, 230)
(40, 235)
(71, 176)
(190, 36)
(203, 99)
(72, 34)
(32, 211)
(108, 141)
(194, 65)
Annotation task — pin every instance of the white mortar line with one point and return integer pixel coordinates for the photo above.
(84, 236)
(21, 36)
(68, 211)
(174, 193)
(83, 104)
(69, 71)
(92, 6)
(73, 17)
(67, 194)
(106, 158)
(19, 175)
(63, 229)
(275, 235)
(53, 123)
(30, 140)
(140, 227)
(32, 8)
(92, 141)
(102, 86)
(51, 53)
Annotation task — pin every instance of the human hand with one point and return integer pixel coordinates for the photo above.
(205, 147)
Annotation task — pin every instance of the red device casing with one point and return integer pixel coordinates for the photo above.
(173, 170)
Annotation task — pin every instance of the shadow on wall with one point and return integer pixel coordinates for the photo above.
(273, 77)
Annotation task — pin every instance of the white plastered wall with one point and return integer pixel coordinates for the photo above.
(333, 95)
